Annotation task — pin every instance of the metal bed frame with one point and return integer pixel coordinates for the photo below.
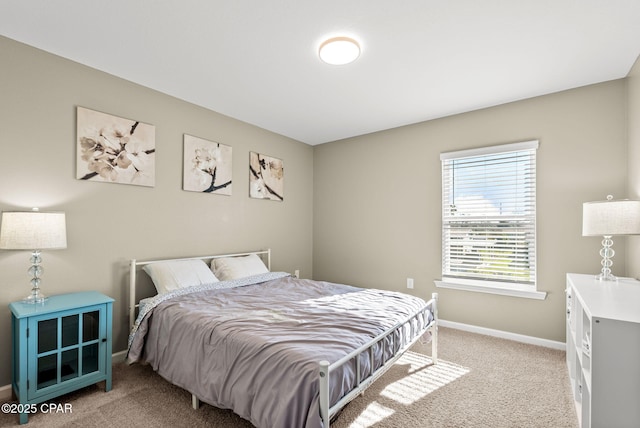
(327, 412)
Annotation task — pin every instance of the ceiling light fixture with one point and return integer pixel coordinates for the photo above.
(339, 50)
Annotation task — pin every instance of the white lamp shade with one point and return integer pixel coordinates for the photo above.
(608, 218)
(33, 230)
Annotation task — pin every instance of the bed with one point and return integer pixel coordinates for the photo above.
(277, 350)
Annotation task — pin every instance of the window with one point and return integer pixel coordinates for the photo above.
(489, 219)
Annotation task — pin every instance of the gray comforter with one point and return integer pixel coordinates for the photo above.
(255, 348)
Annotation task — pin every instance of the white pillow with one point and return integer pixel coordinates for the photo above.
(169, 276)
(228, 268)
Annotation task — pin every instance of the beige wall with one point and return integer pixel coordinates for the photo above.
(633, 119)
(371, 203)
(377, 201)
(110, 223)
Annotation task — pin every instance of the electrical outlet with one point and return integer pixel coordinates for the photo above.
(409, 282)
(296, 273)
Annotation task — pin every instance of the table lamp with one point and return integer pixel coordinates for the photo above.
(35, 231)
(606, 219)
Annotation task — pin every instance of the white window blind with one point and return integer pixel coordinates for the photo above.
(489, 214)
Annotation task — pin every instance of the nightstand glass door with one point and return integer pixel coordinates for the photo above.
(47, 345)
(67, 347)
(90, 344)
(69, 357)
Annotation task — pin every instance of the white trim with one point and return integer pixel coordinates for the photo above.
(493, 288)
(504, 335)
(119, 357)
(501, 148)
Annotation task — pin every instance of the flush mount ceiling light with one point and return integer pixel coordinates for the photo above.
(339, 50)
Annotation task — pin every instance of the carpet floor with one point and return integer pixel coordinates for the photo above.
(480, 381)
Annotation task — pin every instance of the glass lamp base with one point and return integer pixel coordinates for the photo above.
(35, 271)
(607, 254)
(606, 277)
(36, 297)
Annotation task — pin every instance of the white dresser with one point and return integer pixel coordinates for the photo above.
(603, 350)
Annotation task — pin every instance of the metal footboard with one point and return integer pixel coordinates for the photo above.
(326, 410)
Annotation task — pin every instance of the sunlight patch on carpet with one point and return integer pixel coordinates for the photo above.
(373, 414)
(422, 379)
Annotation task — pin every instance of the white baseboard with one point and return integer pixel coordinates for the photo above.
(5, 391)
(504, 335)
(119, 357)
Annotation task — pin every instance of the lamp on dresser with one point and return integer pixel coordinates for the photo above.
(606, 219)
(35, 231)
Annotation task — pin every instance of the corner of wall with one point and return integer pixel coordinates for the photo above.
(633, 161)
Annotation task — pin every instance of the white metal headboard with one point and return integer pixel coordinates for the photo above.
(133, 264)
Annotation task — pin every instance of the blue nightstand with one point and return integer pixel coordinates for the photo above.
(59, 346)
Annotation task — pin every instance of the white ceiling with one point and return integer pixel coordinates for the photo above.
(257, 60)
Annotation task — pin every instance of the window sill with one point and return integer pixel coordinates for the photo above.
(492, 288)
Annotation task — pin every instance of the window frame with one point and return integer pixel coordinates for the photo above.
(508, 288)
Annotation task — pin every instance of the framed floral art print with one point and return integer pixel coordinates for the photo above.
(207, 166)
(114, 150)
(266, 177)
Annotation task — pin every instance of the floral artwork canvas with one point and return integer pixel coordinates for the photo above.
(266, 177)
(207, 166)
(115, 150)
